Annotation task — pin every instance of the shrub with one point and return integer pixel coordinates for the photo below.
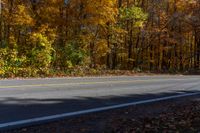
(40, 56)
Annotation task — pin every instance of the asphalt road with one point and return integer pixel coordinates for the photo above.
(34, 98)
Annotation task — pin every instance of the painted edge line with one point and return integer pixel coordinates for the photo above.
(22, 123)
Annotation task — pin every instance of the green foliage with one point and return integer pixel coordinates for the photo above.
(10, 62)
(40, 56)
(74, 55)
(2, 61)
(135, 14)
(69, 56)
(36, 62)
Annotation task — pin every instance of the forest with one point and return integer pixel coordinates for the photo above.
(44, 37)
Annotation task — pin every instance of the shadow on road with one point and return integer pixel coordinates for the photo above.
(13, 109)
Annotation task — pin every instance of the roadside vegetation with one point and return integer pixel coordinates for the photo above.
(80, 37)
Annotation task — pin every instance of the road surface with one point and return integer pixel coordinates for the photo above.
(35, 98)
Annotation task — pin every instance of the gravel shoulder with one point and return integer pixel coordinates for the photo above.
(174, 116)
(104, 74)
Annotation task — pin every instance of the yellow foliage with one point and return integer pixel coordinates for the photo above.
(22, 17)
(102, 47)
(100, 12)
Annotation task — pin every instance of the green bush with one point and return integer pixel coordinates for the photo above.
(40, 56)
(74, 54)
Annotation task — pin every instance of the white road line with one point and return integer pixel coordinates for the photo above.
(59, 116)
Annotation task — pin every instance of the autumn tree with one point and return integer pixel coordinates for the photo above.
(40, 37)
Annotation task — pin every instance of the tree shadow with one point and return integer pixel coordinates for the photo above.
(14, 109)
